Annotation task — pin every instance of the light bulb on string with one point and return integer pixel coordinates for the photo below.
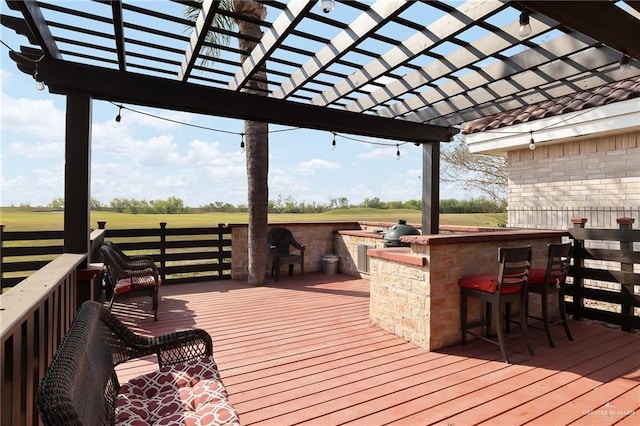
(532, 143)
(333, 143)
(327, 6)
(624, 64)
(525, 26)
(39, 82)
(242, 143)
(397, 152)
(119, 116)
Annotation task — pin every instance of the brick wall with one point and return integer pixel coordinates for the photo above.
(319, 239)
(600, 172)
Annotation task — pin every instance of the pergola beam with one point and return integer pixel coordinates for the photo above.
(481, 49)
(501, 71)
(112, 85)
(595, 19)
(39, 28)
(198, 37)
(485, 98)
(282, 27)
(439, 31)
(118, 32)
(364, 25)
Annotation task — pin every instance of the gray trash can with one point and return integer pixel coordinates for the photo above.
(330, 264)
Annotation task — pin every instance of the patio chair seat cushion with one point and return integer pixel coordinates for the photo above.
(487, 283)
(536, 277)
(190, 393)
(124, 285)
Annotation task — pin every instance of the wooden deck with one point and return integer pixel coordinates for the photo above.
(304, 352)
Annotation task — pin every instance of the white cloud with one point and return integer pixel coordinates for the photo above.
(309, 168)
(380, 152)
(38, 119)
(37, 150)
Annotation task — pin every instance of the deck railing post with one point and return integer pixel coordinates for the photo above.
(220, 246)
(626, 248)
(1, 258)
(578, 265)
(163, 250)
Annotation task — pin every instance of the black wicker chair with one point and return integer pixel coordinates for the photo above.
(127, 274)
(80, 386)
(279, 241)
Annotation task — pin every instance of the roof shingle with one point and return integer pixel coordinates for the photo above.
(609, 93)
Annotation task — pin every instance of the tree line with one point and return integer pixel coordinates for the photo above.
(175, 205)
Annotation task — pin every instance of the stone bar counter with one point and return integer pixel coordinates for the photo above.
(414, 290)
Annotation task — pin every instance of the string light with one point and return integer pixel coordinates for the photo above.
(241, 134)
(36, 77)
(624, 64)
(532, 143)
(327, 6)
(525, 26)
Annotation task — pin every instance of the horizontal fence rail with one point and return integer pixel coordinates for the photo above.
(25, 252)
(182, 254)
(605, 271)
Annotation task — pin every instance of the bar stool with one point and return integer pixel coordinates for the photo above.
(548, 281)
(496, 291)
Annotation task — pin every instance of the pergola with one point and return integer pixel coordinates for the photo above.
(396, 69)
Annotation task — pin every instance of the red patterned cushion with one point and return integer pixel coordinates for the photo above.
(536, 277)
(184, 394)
(486, 282)
(124, 285)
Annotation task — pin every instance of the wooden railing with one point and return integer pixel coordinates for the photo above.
(34, 317)
(604, 274)
(183, 254)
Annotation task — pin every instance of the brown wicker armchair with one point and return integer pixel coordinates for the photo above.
(135, 274)
(80, 386)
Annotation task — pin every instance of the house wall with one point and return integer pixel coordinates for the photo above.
(597, 178)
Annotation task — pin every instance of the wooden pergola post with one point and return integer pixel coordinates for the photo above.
(430, 188)
(77, 173)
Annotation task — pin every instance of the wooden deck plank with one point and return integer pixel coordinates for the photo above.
(303, 351)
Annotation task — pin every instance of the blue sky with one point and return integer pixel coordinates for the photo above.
(148, 158)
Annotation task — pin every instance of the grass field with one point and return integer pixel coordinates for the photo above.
(34, 219)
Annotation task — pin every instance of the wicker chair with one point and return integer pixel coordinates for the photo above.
(137, 262)
(279, 241)
(134, 274)
(80, 386)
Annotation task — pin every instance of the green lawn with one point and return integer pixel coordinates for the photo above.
(34, 219)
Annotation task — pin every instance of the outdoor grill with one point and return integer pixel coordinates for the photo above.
(392, 236)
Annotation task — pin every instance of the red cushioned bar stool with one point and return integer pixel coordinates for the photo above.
(548, 281)
(496, 291)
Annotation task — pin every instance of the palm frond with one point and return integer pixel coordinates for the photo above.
(214, 38)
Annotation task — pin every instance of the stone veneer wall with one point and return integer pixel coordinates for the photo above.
(347, 247)
(422, 303)
(319, 239)
(599, 172)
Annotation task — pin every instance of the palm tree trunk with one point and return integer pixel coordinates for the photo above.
(257, 150)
